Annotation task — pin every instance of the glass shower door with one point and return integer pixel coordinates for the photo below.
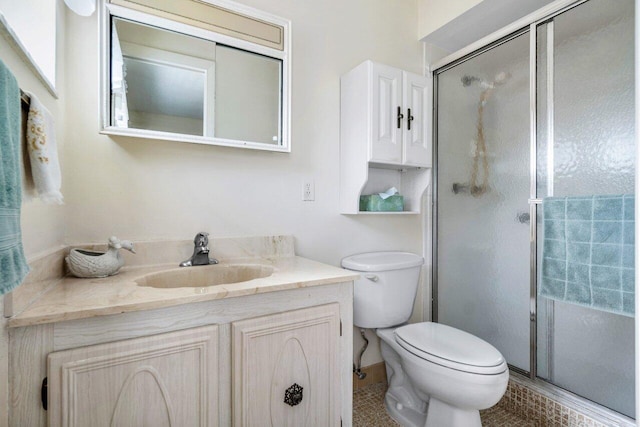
(585, 133)
(483, 186)
(584, 147)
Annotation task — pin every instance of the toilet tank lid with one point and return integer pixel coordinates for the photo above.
(382, 261)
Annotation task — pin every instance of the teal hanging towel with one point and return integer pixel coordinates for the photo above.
(588, 252)
(13, 265)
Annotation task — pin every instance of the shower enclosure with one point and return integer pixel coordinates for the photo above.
(547, 111)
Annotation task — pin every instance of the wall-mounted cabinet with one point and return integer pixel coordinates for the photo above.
(385, 137)
(210, 72)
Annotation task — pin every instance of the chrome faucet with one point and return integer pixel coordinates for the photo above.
(200, 252)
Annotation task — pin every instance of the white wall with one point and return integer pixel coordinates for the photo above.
(143, 189)
(433, 14)
(42, 225)
(34, 22)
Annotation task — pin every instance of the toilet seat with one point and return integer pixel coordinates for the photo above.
(451, 348)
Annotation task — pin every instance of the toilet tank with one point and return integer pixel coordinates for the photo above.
(384, 294)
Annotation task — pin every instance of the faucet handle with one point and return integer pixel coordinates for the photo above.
(201, 240)
(200, 252)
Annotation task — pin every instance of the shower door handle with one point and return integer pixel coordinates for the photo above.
(523, 217)
(400, 117)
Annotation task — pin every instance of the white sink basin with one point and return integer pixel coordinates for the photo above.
(203, 276)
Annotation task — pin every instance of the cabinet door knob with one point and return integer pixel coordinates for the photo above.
(409, 118)
(293, 395)
(400, 117)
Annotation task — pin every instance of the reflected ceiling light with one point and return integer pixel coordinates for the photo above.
(82, 7)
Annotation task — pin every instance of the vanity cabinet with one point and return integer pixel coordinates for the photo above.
(220, 362)
(285, 369)
(385, 137)
(163, 380)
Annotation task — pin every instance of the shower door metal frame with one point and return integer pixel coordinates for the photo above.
(533, 202)
(528, 24)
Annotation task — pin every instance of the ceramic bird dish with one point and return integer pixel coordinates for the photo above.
(85, 264)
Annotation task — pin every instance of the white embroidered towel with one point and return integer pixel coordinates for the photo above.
(43, 152)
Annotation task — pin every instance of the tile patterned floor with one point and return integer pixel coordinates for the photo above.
(368, 407)
(369, 411)
(530, 404)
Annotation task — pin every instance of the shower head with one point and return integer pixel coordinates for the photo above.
(499, 79)
(467, 80)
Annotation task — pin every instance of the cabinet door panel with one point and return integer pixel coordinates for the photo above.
(288, 356)
(417, 99)
(386, 145)
(162, 380)
(291, 367)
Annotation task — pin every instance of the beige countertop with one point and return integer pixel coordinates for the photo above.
(72, 298)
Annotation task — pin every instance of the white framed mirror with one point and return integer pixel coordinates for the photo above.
(193, 76)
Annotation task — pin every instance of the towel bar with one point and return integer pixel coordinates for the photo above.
(26, 101)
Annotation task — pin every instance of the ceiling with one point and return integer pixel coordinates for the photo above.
(481, 20)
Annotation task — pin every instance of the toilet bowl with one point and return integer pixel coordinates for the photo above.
(457, 373)
(438, 376)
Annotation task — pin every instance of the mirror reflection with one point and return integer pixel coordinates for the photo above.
(171, 82)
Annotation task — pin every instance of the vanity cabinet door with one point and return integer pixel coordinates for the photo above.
(163, 380)
(386, 141)
(285, 370)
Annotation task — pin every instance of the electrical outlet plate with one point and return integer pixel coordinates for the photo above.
(308, 191)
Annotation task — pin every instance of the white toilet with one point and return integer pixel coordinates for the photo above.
(438, 376)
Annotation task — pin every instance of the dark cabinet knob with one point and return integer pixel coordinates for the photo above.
(293, 395)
